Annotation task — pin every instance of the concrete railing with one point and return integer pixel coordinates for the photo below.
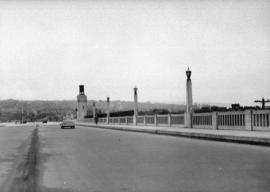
(177, 119)
(116, 120)
(89, 120)
(169, 120)
(231, 120)
(261, 120)
(202, 120)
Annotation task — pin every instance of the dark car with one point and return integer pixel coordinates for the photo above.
(67, 123)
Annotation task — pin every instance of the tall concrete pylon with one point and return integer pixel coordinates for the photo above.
(135, 105)
(94, 109)
(189, 104)
(81, 103)
(108, 109)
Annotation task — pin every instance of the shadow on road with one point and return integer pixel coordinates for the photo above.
(25, 173)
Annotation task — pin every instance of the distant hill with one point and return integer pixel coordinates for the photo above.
(11, 110)
(128, 105)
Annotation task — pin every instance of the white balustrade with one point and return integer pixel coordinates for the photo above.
(261, 120)
(231, 120)
(202, 120)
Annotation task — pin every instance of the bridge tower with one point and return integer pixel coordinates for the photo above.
(188, 114)
(81, 103)
(108, 109)
(94, 109)
(135, 105)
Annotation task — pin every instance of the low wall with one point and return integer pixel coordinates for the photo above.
(261, 120)
(257, 120)
(202, 120)
(231, 120)
(169, 120)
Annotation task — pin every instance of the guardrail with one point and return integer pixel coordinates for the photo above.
(258, 120)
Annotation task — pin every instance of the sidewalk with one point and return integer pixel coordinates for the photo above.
(248, 137)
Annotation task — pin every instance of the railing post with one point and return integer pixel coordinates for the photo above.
(144, 120)
(248, 120)
(188, 119)
(155, 120)
(215, 120)
(169, 120)
(126, 120)
(135, 119)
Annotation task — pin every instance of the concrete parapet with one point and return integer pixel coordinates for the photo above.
(188, 118)
(256, 120)
(155, 120)
(248, 120)
(169, 120)
(144, 120)
(135, 119)
(215, 120)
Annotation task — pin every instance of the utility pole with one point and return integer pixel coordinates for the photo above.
(263, 101)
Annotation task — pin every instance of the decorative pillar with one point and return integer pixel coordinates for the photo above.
(188, 114)
(248, 120)
(144, 120)
(81, 103)
(135, 106)
(215, 120)
(108, 109)
(155, 120)
(169, 120)
(94, 110)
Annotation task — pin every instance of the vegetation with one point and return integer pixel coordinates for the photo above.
(17, 110)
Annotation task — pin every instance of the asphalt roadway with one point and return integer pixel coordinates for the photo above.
(100, 160)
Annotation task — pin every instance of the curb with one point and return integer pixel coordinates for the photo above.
(203, 136)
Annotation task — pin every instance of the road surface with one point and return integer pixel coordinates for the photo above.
(14, 142)
(98, 160)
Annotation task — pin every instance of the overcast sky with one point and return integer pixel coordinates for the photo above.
(48, 48)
